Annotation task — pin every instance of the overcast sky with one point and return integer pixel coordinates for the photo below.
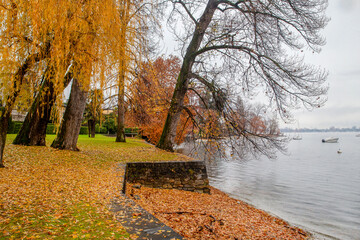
(341, 57)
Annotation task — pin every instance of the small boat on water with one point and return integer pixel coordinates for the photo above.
(330, 140)
(297, 137)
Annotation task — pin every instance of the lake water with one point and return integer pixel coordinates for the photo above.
(313, 187)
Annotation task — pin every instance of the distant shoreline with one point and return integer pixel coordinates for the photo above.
(310, 130)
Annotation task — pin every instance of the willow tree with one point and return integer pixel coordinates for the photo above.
(54, 35)
(247, 46)
(33, 129)
(22, 48)
(124, 39)
(106, 45)
(97, 53)
(117, 42)
(135, 20)
(17, 80)
(70, 126)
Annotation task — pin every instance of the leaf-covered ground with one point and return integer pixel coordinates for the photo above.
(57, 194)
(214, 216)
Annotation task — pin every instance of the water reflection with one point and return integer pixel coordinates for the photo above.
(313, 186)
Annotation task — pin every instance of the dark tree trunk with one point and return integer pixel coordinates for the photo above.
(120, 133)
(70, 125)
(17, 82)
(168, 135)
(33, 130)
(91, 127)
(3, 129)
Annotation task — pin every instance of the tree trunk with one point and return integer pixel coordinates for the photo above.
(70, 126)
(120, 133)
(125, 16)
(3, 129)
(168, 135)
(10, 101)
(91, 127)
(33, 130)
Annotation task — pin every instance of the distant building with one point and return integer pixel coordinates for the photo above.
(107, 111)
(17, 116)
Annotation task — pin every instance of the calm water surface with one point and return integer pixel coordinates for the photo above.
(313, 186)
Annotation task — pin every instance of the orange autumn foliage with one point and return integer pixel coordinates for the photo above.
(257, 125)
(151, 92)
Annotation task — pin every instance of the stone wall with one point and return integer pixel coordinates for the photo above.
(189, 176)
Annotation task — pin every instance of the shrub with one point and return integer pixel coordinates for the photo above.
(132, 130)
(103, 130)
(17, 127)
(109, 124)
(97, 128)
(84, 130)
(51, 128)
(11, 126)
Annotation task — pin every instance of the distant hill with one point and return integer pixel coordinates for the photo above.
(331, 129)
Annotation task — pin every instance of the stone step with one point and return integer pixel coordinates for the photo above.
(137, 220)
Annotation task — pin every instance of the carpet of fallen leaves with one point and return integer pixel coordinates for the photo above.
(56, 194)
(214, 216)
(48, 193)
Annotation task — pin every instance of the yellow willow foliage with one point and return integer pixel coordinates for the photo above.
(130, 45)
(128, 39)
(84, 36)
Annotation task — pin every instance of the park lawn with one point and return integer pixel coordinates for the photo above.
(58, 194)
